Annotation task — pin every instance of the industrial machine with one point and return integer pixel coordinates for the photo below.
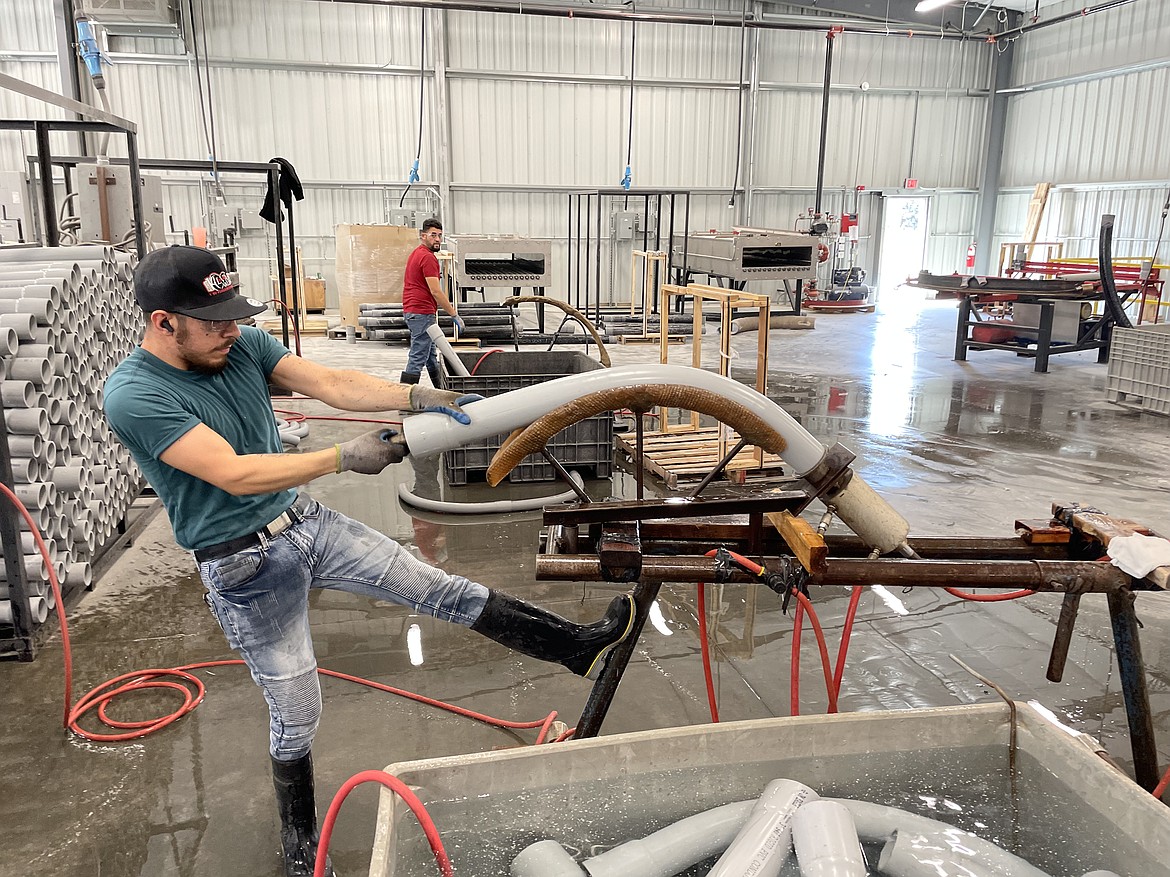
(749, 254)
(104, 205)
(483, 261)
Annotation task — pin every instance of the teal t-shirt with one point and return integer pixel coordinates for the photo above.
(151, 405)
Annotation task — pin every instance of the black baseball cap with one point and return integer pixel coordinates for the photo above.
(191, 281)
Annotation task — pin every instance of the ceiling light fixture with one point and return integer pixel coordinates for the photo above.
(931, 5)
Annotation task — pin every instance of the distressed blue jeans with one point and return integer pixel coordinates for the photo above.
(422, 348)
(260, 596)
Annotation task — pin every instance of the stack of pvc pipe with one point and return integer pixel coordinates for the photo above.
(67, 317)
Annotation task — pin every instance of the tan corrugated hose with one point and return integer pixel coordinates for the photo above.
(532, 438)
(602, 353)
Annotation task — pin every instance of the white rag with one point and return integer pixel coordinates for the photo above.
(1139, 555)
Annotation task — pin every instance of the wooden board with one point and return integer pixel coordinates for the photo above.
(1036, 207)
(806, 543)
(1104, 528)
(688, 456)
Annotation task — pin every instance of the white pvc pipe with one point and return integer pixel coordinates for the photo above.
(436, 335)
(763, 845)
(877, 823)
(826, 841)
(430, 434)
(866, 513)
(908, 854)
(677, 847)
(504, 506)
(1102, 874)
(545, 858)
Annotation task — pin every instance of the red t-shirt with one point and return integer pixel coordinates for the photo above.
(416, 295)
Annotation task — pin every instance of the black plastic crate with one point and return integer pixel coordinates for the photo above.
(586, 446)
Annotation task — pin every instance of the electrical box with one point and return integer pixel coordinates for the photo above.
(625, 223)
(405, 216)
(16, 218)
(105, 208)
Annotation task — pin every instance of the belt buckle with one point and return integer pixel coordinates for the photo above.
(282, 522)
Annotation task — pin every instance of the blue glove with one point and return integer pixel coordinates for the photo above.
(441, 402)
(459, 324)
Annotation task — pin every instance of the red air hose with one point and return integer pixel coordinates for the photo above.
(988, 598)
(705, 647)
(403, 791)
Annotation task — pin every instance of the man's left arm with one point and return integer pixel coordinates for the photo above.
(352, 390)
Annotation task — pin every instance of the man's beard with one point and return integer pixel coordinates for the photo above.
(200, 367)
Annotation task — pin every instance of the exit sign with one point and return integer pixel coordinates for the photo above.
(911, 183)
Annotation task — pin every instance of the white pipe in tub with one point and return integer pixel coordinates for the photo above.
(876, 823)
(664, 853)
(673, 849)
(867, 514)
(504, 506)
(911, 854)
(1102, 874)
(457, 366)
(764, 843)
(826, 841)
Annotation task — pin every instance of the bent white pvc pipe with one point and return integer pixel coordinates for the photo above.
(504, 506)
(876, 823)
(826, 841)
(764, 843)
(909, 854)
(673, 849)
(436, 335)
(867, 514)
(664, 853)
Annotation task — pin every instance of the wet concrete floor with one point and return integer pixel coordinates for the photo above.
(957, 448)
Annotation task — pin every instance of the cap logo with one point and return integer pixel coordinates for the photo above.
(217, 282)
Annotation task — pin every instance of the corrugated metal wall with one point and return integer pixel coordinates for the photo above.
(1096, 125)
(534, 105)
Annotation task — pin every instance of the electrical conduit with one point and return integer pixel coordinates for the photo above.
(760, 420)
(445, 348)
(826, 841)
(764, 844)
(498, 507)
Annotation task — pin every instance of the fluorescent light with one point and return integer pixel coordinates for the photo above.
(931, 5)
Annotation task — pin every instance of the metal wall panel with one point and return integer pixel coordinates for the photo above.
(1106, 40)
(871, 139)
(1056, 135)
(27, 25)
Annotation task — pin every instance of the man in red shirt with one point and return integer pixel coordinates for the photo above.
(422, 296)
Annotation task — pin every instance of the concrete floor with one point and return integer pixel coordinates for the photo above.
(957, 448)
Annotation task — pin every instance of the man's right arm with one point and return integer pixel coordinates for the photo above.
(205, 454)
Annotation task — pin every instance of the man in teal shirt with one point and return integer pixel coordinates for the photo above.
(191, 404)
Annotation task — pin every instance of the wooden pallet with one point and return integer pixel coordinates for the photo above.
(677, 457)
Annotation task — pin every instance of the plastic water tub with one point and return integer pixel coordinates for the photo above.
(1071, 812)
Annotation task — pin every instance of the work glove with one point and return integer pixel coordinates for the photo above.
(459, 324)
(441, 402)
(371, 452)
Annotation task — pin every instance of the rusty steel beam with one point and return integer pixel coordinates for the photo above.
(1052, 576)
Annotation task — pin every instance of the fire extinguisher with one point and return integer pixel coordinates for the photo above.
(971, 256)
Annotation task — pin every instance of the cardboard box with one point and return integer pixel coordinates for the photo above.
(370, 264)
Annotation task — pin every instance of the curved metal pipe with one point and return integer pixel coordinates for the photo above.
(586, 323)
(503, 506)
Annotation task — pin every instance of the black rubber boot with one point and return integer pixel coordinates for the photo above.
(539, 633)
(409, 378)
(293, 781)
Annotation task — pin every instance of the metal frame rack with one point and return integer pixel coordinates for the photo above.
(585, 236)
(24, 639)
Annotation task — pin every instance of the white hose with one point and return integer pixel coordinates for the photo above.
(867, 514)
(457, 366)
(504, 506)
